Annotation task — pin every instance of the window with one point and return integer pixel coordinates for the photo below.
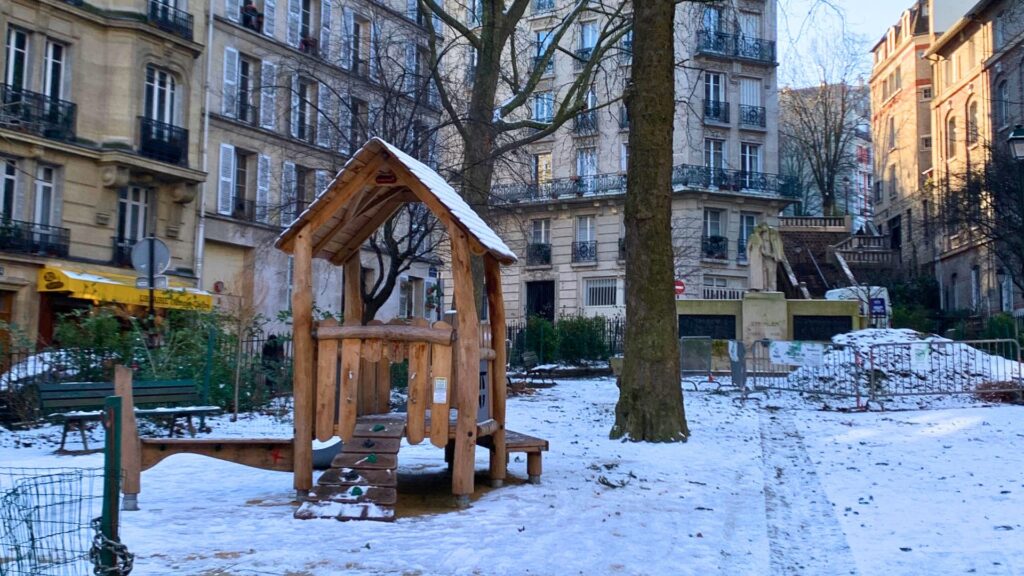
(713, 87)
(543, 106)
(16, 74)
(1002, 104)
(926, 93)
(972, 124)
(892, 182)
(46, 195)
(891, 132)
(714, 155)
(410, 297)
(1000, 30)
(712, 19)
(586, 162)
(601, 292)
(242, 171)
(360, 118)
(897, 77)
(161, 92)
(750, 157)
(975, 287)
(8, 188)
(748, 221)
(585, 231)
(305, 113)
(951, 137)
(541, 233)
(712, 222)
(246, 81)
(542, 167)
(544, 38)
(588, 36)
(926, 142)
(1006, 293)
(623, 157)
(306, 19)
(132, 215)
(54, 70)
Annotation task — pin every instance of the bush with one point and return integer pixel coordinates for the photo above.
(913, 317)
(541, 339)
(581, 338)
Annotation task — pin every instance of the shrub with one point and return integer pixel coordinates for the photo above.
(541, 339)
(914, 317)
(581, 338)
(1002, 392)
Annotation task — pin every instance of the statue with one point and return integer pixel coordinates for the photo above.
(764, 252)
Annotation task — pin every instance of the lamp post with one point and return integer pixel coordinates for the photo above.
(1016, 142)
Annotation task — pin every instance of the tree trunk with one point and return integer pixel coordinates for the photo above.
(650, 406)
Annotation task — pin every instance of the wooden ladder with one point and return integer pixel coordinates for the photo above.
(362, 481)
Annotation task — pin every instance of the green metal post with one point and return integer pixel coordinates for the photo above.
(110, 520)
(204, 393)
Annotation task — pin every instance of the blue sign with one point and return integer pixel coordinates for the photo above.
(877, 306)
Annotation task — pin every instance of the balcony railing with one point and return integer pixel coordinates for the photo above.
(360, 67)
(753, 116)
(122, 251)
(549, 68)
(28, 238)
(170, 19)
(36, 113)
(309, 45)
(690, 176)
(251, 211)
(584, 252)
(542, 6)
(538, 254)
(576, 186)
(714, 247)
(719, 293)
(307, 133)
(247, 112)
(289, 211)
(735, 45)
(163, 142)
(583, 56)
(585, 124)
(716, 111)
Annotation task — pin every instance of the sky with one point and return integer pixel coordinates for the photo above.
(801, 22)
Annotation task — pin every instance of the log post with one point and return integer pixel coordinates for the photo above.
(131, 450)
(302, 348)
(467, 370)
(498, 392)
(353, 272)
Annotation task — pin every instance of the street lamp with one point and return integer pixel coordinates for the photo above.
(1016, 142)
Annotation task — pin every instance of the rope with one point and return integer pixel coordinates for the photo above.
(123, 559)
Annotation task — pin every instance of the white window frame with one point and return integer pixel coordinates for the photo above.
(160, 95)
(713, 87)
(45, 195)
(55, 69)
(714, 153)
(133, 204)
(17, 57)
(540, 231)
(713, 217)
(543, 106)
(586, 228)
(9, 189)
(750, 157)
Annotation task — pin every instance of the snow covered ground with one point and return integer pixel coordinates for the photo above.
(774, 486)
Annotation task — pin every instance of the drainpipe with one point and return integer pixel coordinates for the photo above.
(204, 150)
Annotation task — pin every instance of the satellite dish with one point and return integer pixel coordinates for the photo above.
(140, 256)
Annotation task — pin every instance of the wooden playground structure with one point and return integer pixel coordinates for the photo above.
(341, 374)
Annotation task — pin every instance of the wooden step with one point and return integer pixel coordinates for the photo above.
(366, 445)
(380, 427)
(382, 495)
(337, 477)
(363, 461)
(343, 511)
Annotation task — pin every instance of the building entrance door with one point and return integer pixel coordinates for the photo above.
(540, 299)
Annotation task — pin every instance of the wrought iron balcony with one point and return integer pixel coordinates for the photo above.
(585, 123)
(716, 111)
(289, 211)
(575, 186)
(163, 142)
(716, 43)
(538, 254)
(704, 177)
(583, 56)
(584, 252)
(542, 6)
(27, 111)
(549, 68)
(753, 116)
(714, 247)
(170, 19)
(251, 211)
(28, 238)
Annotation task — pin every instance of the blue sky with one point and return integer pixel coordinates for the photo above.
(800, 21)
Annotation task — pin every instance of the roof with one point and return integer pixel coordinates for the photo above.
(364, 195)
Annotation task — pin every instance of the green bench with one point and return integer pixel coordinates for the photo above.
(76, 403)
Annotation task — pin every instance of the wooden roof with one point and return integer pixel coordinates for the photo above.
(371, 187)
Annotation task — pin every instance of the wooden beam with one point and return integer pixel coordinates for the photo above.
(348, 190)
(355, 212)
(443, 214)
(387, 332)
(326, 383)
(467, 369)
(131, 452)
(256, 452)
(349, 397)
(355, 243)
(419, 367)
(499, 390)
(302, 352)
(353, 277)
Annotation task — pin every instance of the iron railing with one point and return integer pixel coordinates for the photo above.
(538, 254)
(162, 141)
(575, 186)
(121, 254)
(528, 342)
(714, 247)
(289, 211)
(549, 68)
(753, 116)
(735, 45)
(583, 56)
(716, 111)
(252, 211)
(723, 179)
(585, 124)
(36, 113)
(170, 19)
(541, 6)
(584, 252)
(29, 238)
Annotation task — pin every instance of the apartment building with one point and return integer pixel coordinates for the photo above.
(298, 85)
(562, 207)
(100, 138)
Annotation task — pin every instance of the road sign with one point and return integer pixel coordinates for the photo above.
(141, 254)
(680, 289)
(159, 282)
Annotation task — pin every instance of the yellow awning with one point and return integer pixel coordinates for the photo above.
(120, 289)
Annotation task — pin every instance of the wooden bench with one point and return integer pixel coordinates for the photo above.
(76, 403)
(518, 442)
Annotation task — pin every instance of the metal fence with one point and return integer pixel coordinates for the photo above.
(695, 355)
(536, 341)
(824, 368)
(46, 519)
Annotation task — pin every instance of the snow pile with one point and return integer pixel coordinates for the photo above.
(905, 362)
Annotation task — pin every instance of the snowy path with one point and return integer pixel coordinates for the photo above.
(803, 531)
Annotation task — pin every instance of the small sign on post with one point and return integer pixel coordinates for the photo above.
(680, 289)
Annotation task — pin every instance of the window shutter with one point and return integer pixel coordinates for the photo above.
(233, 9)
(296, 102)
(268, 108)
(323, 178)
(229, 91)
(348, 38)
(325, 28)
(438, 26)
(22, 182)
(410, 66)
(294, 16)
(226, 179)
(262, 188)
(288, 194)
(57, 199)
(411, 9)
(324, 116)
(345, 124)
(269, 13)
(374, 59)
